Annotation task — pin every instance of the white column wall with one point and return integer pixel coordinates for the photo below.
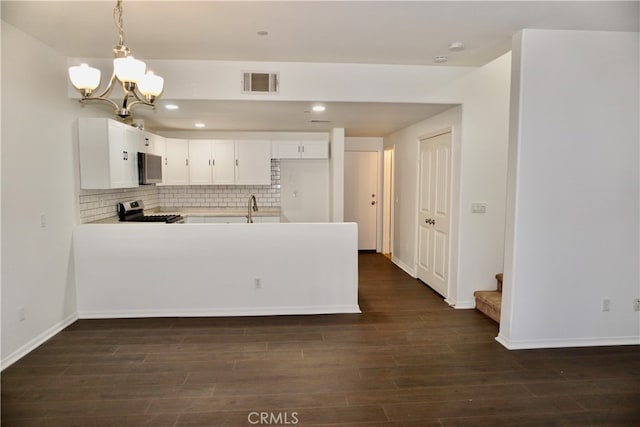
(479, 164)
(573, 212)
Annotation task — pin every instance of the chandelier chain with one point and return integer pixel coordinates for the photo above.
(117, 19)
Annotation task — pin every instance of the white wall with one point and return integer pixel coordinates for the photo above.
(298, 81)
(479, 164)
(573, 213)
(39, 175)
(133, 270)
(336, 175)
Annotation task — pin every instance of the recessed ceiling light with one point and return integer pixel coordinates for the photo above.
(318, 108)
(456, 46)
(171, 107)
(199, 125)
(263, 33)
(440, 59)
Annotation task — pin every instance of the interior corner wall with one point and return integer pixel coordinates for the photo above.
(39, 194)
(574, 186)
(336, 175)
(479, 169)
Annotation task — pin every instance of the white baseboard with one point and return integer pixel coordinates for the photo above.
(461, 304)
(567, 342)
(410, 271)
(220, 312)
(37, 341)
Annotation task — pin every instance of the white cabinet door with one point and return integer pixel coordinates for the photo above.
(176, 162)
(223, 158)
(314, 150)
(133, 143)
(108, 154)
(285, 149)
(266, 219)
(200, 159)
(118, 156)
(225, 219)
(253, 162)
(152, 144)
(300, 149)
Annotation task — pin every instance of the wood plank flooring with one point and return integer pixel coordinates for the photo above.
(407, 360)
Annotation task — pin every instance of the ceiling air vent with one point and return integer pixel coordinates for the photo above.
(259, 82)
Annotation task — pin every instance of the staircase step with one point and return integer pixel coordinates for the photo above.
(489, 303)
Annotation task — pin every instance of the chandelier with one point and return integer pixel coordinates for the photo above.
(139, 86)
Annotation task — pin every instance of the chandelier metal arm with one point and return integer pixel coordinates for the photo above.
(108, 89)
(116, 106)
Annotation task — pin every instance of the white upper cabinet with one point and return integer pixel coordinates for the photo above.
(200, 169)
(108, 153)
(300, 149)
(153, 144)
(224, 162)
(175, 168)
(253, 162)
(211, 162)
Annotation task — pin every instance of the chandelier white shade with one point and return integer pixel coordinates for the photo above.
(139, 85)
(86, 79)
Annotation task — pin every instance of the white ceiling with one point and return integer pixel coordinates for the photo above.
(373, 32)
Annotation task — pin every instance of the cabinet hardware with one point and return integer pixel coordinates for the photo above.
(209, 162)
(373, 203)
(186, 162)
(236, 162)
(303, 148)
(213, 162)
(165, 161)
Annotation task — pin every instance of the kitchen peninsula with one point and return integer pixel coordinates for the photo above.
(151, 270)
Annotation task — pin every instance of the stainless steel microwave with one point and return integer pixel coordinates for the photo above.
(149, 168)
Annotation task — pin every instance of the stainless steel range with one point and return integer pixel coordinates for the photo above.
(133, 211)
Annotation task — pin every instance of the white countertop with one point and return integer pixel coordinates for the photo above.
(202, 212)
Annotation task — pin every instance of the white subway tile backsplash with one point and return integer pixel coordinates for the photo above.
(227, 196)
(100, 204)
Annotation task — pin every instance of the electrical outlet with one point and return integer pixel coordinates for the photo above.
(606, 304)
(21, 314)
(636, 304)
(257, 282)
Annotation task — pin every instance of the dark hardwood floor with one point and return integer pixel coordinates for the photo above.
(407, 360)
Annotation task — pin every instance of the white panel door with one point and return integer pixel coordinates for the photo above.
(360, 195)
(434, 212)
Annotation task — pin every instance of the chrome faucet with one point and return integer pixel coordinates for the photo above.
(253, 206)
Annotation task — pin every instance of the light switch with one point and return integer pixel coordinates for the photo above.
(478, 207)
